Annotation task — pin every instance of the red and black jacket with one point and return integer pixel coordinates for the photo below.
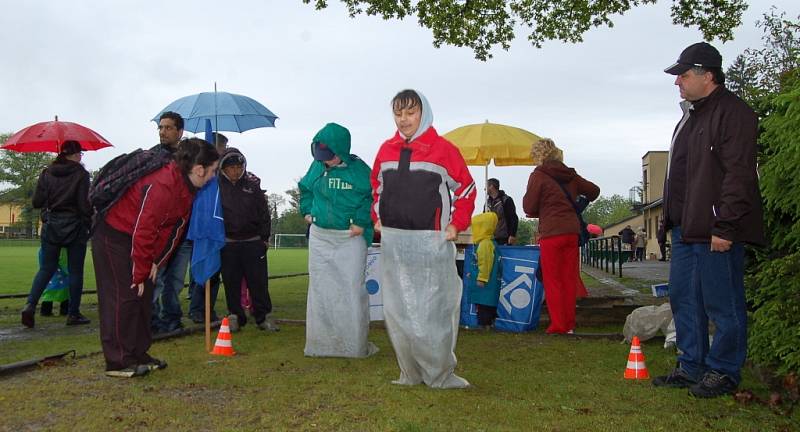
(412, 184)
(155, 212)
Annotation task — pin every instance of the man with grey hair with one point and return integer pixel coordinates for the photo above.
(712, 205)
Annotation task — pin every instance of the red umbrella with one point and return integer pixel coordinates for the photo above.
(594, 229)
(48, 137)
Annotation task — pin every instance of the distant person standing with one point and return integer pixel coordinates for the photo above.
(640, 243)
(502, 204)
(167, 311)
(552, 189)
(62, 193)
(628, 241)
(712, 204)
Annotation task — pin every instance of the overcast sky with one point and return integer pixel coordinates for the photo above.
(112, 65)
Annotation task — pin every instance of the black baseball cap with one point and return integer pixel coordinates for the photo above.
(322, 152)
(700, 54)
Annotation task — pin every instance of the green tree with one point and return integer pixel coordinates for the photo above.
(526, 230)
(484, 24)
(21, 171)
(768, 79)
(607, 210)
(291, 221)
(774, 281)
(756, 74)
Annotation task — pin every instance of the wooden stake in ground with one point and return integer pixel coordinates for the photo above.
(208, 315)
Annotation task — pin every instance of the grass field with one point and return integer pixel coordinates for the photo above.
(521, 382)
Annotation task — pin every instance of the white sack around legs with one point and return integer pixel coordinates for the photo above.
(337, 310)
(421, 303)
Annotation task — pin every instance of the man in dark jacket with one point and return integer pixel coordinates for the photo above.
(167, 311)
(507, 219)
(713, 206)
(247, 229)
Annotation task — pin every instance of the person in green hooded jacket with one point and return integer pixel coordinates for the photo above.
(335, 198)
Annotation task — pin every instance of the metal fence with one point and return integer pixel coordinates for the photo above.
(605, 252)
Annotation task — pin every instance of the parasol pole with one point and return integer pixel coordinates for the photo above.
(208, 314)
(216, 126)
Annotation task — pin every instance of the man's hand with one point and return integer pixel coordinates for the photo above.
(512, 240)
(153, 273)
(356, 230)
(480, 284)
(139, 287)
(719, 244)
(377, 226)
(450, 233)
(308, 219)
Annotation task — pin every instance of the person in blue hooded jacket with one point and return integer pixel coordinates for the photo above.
(335, 198)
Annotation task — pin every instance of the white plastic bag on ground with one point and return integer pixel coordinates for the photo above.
(647, 321)
(421, 303)
(337, 310)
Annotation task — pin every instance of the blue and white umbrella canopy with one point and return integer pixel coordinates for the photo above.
(226, 111)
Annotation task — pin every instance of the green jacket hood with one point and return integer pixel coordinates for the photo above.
(483, 226)
(336, 137)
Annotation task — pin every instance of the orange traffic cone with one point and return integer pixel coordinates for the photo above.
(223, 344)
(636, 368)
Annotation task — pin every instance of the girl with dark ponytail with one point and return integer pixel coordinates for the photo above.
(138, 235)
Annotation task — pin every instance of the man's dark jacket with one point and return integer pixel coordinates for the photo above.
(244, 205)
(506, 212)
(720, 188)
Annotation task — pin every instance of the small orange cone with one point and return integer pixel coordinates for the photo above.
(223, 344)
(636, 368)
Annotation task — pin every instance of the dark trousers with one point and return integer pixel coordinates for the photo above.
(197, 305)
(486, 314)
(124, 316)
(246, 260)
(76, 254)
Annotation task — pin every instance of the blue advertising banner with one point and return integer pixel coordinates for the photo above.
(521, 294)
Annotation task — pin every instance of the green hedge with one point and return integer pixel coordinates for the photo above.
(773, 283)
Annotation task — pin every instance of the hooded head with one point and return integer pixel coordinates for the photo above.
(404, 105)
(232, 157)
(483, 226)
(332, 140)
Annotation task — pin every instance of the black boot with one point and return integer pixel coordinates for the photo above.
(28, 315)
(46, 309)
(63, 308)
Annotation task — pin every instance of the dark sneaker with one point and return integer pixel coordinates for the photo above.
(268, 325)
(129, 372)
(28, 315)
(77, 320)
(678, 378)
(46, 309)
(713, 384)
(156, 364)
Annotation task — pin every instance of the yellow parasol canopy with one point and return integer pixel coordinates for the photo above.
(486, 142)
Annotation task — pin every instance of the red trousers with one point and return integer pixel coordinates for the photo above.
(559, 261)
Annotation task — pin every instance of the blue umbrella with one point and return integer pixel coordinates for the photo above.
(227, 111)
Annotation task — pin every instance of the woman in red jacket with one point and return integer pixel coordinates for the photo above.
(558, 229)
(137, 236)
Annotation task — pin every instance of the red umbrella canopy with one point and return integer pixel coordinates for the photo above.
(48, 137)
(594, 229)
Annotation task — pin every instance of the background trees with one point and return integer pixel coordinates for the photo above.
(484, 24)
(19, 173)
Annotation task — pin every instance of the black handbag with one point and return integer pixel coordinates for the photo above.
(61, 228)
